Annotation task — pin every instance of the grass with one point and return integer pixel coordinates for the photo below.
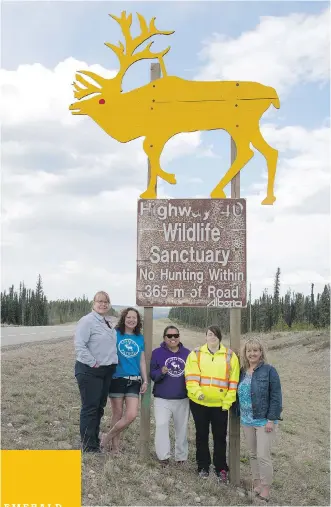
(40, 410)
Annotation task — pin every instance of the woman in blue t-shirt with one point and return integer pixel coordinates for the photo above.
(130, 378)
(260, 402)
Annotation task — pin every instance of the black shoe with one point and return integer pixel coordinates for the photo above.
(164, 462)
(92, 449)
(203, 474)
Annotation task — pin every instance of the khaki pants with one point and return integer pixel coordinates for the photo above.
(163, 411)
(259, 445)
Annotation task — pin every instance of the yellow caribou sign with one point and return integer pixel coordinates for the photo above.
(171, 105)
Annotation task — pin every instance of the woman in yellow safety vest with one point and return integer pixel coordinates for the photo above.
(211, 375)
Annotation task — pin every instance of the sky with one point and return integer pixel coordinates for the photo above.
(69, 191)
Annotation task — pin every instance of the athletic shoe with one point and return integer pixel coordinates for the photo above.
(203, 474)
(222, 476)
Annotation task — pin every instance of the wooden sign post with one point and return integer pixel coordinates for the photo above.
(235, 332)
(145, 414)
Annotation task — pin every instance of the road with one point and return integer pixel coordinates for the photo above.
(24, 334)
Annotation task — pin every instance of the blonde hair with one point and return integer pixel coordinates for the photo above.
(101, 293)
(252, 342)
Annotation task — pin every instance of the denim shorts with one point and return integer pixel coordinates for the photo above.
(124, 387)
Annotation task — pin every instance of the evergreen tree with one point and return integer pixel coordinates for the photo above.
(324, 313)
(263, 312)
(312, 306)
(287, 314)
(30, 308)
(40, 311)
(268, 312)
(275, 302)
(299, 304)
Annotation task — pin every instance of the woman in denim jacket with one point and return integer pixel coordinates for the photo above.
(260, 403)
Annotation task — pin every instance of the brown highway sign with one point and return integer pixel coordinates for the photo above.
(191, 252)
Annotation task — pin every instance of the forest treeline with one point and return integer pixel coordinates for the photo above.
(294, 311)
(30, 307)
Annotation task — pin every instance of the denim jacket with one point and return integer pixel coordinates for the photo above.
(266, 393)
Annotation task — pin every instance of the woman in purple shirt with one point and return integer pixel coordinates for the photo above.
(170, 397)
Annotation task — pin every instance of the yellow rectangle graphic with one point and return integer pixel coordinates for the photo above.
(40, 478)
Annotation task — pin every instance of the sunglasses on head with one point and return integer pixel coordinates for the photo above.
(176, 335)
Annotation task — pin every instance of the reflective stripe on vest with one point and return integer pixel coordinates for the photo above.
(192, 378)
(225, 382)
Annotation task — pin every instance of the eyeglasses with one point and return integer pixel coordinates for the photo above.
(172, 335)
(102, 302)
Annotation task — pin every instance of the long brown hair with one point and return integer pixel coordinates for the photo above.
(121, 323)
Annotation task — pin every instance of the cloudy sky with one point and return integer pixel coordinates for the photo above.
(69, 191)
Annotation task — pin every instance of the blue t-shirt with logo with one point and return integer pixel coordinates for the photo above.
(129, 349)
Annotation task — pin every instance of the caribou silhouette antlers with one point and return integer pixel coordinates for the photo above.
(125, 53)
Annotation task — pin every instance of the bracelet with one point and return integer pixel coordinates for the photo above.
(145, 382)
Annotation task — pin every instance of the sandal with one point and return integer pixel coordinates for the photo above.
(264, 498)
(256, 489)
(105, 443)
